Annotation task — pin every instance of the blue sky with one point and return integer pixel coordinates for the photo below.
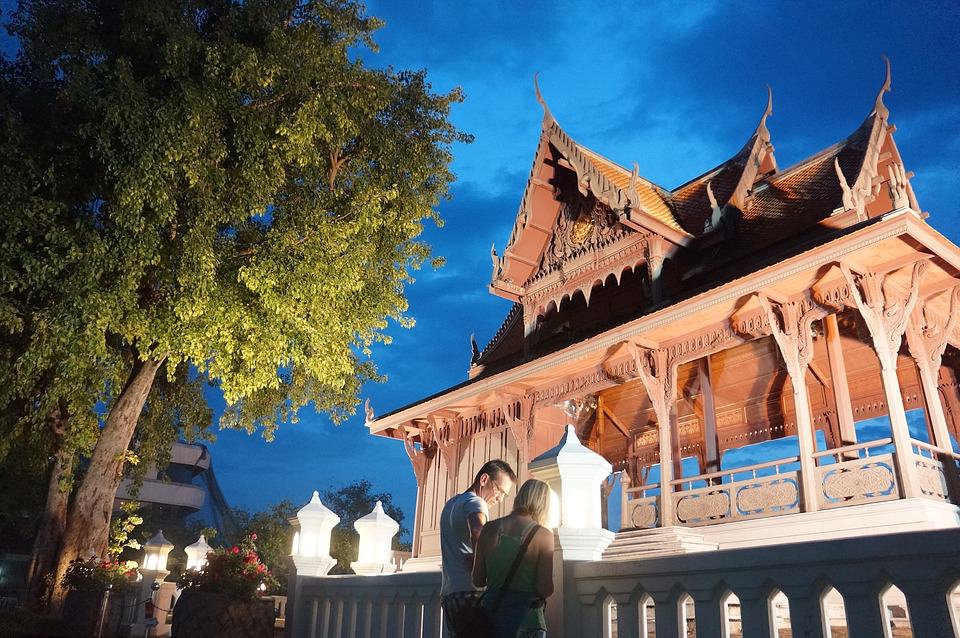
(677, 87)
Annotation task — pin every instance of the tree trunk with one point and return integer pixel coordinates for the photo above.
(88, 523)
(54, 519)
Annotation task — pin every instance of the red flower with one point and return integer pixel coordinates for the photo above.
(234, 550)
(253, 537)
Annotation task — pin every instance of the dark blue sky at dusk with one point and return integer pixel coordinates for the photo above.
(675, 87)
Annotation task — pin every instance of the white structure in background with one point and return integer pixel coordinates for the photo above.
(154, 570)
(175, 487)
(376, 531)
(197, 553)
(574, 474)
(311, 538)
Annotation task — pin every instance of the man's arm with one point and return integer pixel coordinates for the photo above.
(475, 522)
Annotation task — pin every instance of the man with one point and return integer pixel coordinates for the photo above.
(461, 520)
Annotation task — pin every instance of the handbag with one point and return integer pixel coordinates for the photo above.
(473, 621)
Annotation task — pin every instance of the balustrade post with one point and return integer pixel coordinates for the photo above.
(806, 615)
(412, 615)
(708, 612)
(432, 617)
(667, 613)
(628, 617)
(591, 620)
(887, 317)
(755, 617)
(865, 614)
(928, 607)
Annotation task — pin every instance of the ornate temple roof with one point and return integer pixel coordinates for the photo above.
(721, 224)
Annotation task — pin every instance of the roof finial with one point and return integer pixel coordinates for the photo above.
(767, 112)
(547, 115)
(879, 107)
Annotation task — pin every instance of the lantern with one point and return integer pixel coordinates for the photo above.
(312, 526)
(376, 531)
(156, 551)
(574, 474)
(197, 553)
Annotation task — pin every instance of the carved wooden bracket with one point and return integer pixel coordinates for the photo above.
(885, 312)
(927, 337)
(442, 436)
(419, 459)
(521, 426)
(658, 373)
(791, 323)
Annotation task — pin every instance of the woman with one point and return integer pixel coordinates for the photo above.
(519, 612)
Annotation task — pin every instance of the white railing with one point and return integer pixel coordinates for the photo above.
(925, 566)
(938, 471)
(388, 606)
(856, 474)
(676, 593)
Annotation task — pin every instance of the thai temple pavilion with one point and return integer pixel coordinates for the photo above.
(752, 304)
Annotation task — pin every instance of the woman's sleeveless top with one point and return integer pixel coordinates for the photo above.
(499, 562)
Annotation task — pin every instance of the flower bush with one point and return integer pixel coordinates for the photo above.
(235, 571)
(95, 574)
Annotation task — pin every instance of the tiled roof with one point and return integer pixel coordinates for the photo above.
(652, 197)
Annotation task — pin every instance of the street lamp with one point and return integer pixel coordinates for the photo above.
(197, 553)
(156, 551)
(376, 531)
(312, 526)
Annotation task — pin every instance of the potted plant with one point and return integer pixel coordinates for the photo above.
(94, 602)
(224, 597)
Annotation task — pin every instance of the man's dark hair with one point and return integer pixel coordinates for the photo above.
(495, 468)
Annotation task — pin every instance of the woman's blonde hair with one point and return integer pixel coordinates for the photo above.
(533, 499)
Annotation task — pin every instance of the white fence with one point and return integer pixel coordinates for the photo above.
(720, 594)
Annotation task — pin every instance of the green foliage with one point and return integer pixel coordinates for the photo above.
(122, 527)
(219, 183)
(94, 574)
(351, 502)
(235, 571)
(274, 537)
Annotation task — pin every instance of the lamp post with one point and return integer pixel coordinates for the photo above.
(574, 474)
(376, 531)
(197, 553)
(153, 571)
(312, 526)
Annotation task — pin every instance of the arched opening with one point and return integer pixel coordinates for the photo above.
(687, 613)
(953, 604)
(648, 617)
(778, 607)
(731, 625)
(609, 617)
(896, 616)
(833, 613)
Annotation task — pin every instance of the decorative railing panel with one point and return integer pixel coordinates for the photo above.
(938, 470)
(641, 512)
(858, 481)
(757, 497)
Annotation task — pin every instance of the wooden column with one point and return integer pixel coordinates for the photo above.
(658, 373)
(790, 324)
(420, 461)
(927, 340)
(886, 316)
(711, 447)
(838, 378)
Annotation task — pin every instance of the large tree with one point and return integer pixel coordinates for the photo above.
(216, 183)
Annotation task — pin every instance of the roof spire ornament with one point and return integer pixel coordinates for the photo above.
(717, 213)
(879, 107)
(547, 115)
(762, 126)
